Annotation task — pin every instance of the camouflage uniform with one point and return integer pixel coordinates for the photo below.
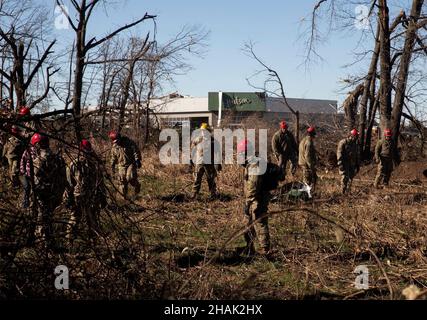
(384, 157)
(48, 188)
(125, 154)
(285, 149)
(348, 162)
(256, 207)
(13, 150)
(307, 160)
(85, 192)
(204, 163)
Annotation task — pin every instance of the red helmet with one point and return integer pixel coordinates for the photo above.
(242, 146)
(311, 130)
(114, 135)
(388, 133)
(14, 130)
(24, 111)
(85, 145)
(38, 138)
(354, 133)
(283, 125)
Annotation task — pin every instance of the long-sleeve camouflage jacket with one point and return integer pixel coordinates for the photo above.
(124, 153)
(284, 144)
(307, 153)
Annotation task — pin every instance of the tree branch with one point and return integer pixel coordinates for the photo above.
(93, 43)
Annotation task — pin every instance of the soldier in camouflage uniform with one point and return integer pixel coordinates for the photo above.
(85, 190)
(48, 171)
(384, 156)
(257, 199)
(126, 155)
(348, 160)
(13, 150)
(308, 158)
(285, 148)
(204, 162)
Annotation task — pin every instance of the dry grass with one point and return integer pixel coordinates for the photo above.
(166, 246)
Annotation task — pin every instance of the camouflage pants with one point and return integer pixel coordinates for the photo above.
(385, 168)
(309, 176)
(200, 171)
(128, 175)
(14, 171)
(257, 209)
(283, 163)
(84, 210)
(45, 219)
(347, 175)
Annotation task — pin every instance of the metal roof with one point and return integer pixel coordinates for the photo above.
(302, 105)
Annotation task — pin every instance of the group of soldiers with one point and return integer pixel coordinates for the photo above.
(34, 167)
(286, 149)
(48, 179)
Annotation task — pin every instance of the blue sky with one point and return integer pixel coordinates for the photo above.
(275, 27)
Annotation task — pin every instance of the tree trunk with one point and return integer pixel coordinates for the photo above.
(385, 63)
(366, 92)
(350, 106)
(402, 77)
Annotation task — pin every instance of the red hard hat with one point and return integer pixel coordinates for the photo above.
(388, 133)
(242, 146)
(24, 111)
(354, 133)
(37, 138)
(14, 130)
(114, 135)
(85, 145)
(283, 125)
(311, 130)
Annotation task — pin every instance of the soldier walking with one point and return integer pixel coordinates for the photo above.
(85, 190)
(257, 199)
(385, 154)
(285, 148)
(48, 171)
(348, 160)
(308, 158)
(13, 150)
(126, 155)
(204, 146)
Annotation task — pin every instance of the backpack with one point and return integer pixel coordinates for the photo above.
(52, 185)
(273, 175)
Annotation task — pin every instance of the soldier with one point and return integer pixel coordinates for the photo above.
(204, 146)
(385, 154)
(29, 127)
(348, 160)
(285, 148)
(13, 150)
(48, 171)
(308, 158)
(85, 190)
(256, 201)
(126, 155)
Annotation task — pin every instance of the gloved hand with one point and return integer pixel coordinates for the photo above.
(138, 164)
(218, 167)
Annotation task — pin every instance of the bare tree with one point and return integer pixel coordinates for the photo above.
(84, 10)
(22, 36)
(272, 79)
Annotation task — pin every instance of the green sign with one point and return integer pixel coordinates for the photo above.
(238, 101)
